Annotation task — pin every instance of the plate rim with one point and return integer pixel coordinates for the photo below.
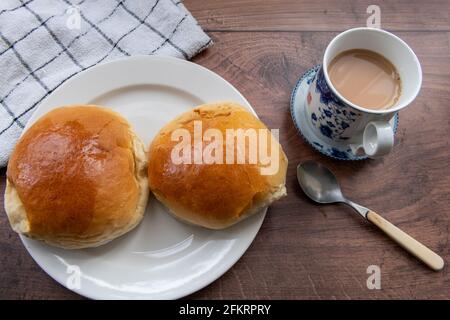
(130, 59)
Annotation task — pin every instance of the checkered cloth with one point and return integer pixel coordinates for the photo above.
(45, 42)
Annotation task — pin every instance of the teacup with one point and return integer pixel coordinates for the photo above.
(334, 119)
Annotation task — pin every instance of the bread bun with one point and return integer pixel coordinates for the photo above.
(215, 195)
(77, 178)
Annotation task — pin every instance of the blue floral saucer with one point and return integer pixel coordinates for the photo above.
(337, 150)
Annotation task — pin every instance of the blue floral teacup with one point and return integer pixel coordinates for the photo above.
(335, 119)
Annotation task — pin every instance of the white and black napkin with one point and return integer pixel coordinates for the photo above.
(45, 42)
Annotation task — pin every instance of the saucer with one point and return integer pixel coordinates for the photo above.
(333, 149)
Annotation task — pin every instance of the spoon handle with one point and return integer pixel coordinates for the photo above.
(417, 249)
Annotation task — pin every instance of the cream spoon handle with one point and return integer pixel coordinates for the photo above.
(417, 249)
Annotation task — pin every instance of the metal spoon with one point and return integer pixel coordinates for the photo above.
(319, 183)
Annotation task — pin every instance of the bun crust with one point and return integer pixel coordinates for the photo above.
(77, 178)
(214, 196)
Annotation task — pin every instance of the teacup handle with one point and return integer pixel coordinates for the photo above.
(378, 140)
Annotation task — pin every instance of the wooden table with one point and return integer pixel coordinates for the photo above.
(304, 251)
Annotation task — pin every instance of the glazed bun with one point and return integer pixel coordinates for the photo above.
(77, 178)
(215, 195)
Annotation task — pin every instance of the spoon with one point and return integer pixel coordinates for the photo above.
(320, 184)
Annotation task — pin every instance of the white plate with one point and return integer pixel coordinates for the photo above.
(162, 258)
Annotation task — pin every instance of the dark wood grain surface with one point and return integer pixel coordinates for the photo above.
(304, 251)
